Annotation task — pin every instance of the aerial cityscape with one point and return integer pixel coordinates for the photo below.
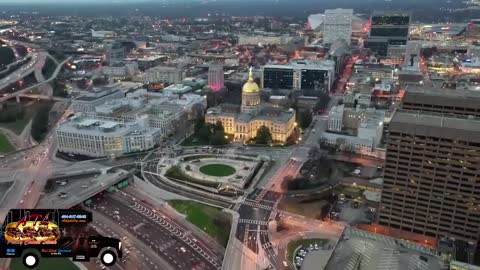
(240, 135)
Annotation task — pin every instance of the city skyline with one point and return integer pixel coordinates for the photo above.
(239, 135)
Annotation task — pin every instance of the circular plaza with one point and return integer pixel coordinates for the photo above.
(210, 170)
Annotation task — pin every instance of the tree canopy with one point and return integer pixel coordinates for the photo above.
(263, 135)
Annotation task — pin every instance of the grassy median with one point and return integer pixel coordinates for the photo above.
(5, 145)
(211, 220)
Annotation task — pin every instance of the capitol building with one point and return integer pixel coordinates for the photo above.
(243, 122)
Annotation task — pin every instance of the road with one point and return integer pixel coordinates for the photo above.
(54, 75)
(160, 232)
(258, 208)
(137, 255)
(37, 62)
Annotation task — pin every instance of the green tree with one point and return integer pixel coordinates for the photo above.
(40, 123)
(6, 56)
(218, 138)
(218, 127)
(322, 102)
(59, 88)
(263, 135)
(205, 132)
(199, 124)
(304, 118)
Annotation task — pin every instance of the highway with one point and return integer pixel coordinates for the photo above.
(54, 75)
(137, 255)
(37, 61)
(160, 232)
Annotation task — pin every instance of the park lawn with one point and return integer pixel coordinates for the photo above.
(208, 218)
(218, 170)
(5, 145)
(46, 264)
(293, 245)
(192, 140)
(19, 125)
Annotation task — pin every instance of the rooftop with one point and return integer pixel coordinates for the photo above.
(358, 249)
(306, 64)
(442, 92)
(436, 124)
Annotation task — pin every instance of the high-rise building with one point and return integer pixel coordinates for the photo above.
(215, 77)
(388, 29)
(431, 175)
(299, 75)
(337, 25)
(442, 100)
(115, 53)
(412, 53)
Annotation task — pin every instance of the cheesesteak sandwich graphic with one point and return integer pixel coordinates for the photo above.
(48, 233)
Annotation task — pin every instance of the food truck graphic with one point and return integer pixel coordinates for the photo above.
(35, 233)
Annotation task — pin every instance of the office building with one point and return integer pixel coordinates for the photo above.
(430, 184)
(412, 54)
(114, 53)
(299, 75)
(215, 77)
(100, 138)
(161, 74)
(122, 70)
(335, 118)
(442, 100)
(337, 25)
(177, 89)
(85, 101)
(388, 29)
(244, 124)
(365, 142)
(150, 61)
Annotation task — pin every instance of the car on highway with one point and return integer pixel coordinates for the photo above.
(63, 195)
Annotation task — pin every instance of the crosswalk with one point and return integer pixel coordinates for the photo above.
(267, 245)
(258, 205)
(252, 221)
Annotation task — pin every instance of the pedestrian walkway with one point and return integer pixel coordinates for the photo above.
(258, 205)
(252, 221)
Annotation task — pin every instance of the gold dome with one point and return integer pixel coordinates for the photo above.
(250, 86)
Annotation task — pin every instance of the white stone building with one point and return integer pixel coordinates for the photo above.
(99, 138)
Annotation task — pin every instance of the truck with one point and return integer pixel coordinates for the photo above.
(32, 234)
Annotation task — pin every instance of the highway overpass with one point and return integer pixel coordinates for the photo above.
(25, 90)
(80, 190)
